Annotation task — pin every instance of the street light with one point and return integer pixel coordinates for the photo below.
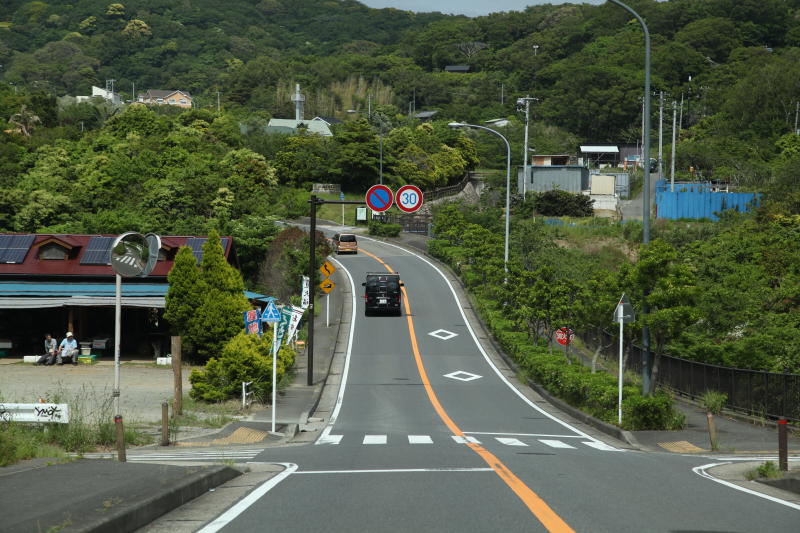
(508, 179)
(647, 361)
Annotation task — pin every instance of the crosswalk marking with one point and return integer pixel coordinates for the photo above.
(330, 439)
(555, 443)
(601, 446)
(377, 440)
(182, 455)
(510, 442)
(464, 440)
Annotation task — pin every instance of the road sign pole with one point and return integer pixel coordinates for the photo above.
(312, 268)
(327, 310)
(274, 370)
(619, 379)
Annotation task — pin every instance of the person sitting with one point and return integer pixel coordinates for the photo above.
(50, 348)
(68, 350)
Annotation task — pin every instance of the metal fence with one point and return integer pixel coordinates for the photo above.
(753, 392)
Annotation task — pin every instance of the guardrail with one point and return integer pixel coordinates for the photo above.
(757, 393)
(34, 412)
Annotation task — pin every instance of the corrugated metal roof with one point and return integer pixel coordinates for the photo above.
(314, 126)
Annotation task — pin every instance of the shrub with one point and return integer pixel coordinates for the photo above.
(243, 358)
(650, 412)
(380, 229)
(713, 401)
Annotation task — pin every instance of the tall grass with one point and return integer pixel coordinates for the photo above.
(90, 426)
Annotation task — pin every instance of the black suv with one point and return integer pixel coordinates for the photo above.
(382, 293)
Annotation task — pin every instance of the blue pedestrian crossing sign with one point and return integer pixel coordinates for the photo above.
(271, 313)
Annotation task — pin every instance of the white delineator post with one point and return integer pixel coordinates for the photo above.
(619, 386)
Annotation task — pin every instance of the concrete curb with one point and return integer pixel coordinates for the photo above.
(608, 429)
(163, 500)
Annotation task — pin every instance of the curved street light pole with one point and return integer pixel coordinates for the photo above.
(508, 180)
(647, 360)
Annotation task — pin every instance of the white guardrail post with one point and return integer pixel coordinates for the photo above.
(34, 412)
(245, 394)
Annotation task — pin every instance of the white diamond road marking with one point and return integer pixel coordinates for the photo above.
(464, 440)
(330, 439)
(601, 446)
(556, 443)
(510, 442)
(462, 375)
(374, 439)
(420, 439)
(443, 334)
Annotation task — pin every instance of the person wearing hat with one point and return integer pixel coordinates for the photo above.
(68, 349)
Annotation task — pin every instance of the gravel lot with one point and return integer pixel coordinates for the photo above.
(142, 386)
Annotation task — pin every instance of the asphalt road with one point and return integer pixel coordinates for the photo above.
(428, 435)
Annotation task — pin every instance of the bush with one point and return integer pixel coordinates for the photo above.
(713, 401)
(379, 229)
(243, 358)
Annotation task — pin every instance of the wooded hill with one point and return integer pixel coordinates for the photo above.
(90, 167)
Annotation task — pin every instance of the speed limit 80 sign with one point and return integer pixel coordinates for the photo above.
(408, 198)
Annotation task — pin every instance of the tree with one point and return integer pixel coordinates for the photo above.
(183, 296)
(218, 317)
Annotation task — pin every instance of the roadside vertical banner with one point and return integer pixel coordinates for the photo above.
(305, 299)
(297, 314)
(283, 324)
(252, 322)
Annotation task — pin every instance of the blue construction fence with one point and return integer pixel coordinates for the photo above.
(700, 200)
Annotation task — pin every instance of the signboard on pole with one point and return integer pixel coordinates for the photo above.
(283, 325)
(408, 198)
(270, 313)
(361, 213)
(379, 198)
(327, 269)
(327, 286)
(305, 297)
(565, 336)
(624, 311)
(252, 322)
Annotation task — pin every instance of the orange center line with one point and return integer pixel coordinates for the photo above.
(537, 506)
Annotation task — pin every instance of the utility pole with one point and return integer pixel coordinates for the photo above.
(525, 166)
(133, 91)
(502, 94)
(672, 161)
(680, 116)
(796, 109)
(689, 105)
(660, 132)
(369, 107)
(217, 101)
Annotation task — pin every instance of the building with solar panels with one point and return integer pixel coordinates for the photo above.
(59, 283)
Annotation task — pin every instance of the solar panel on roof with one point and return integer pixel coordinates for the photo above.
(196, 245)
(98, 251)
(14, 248)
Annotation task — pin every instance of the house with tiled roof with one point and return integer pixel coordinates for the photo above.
(56, 283)
(162, 97)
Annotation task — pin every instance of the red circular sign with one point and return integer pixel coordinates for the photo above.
(379, 198)
(408, 198)
(564, 336)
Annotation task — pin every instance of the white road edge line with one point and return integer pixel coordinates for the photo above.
(395, 471)
(323, 437)
(701, 471)
(241, 506)
(478, 344)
